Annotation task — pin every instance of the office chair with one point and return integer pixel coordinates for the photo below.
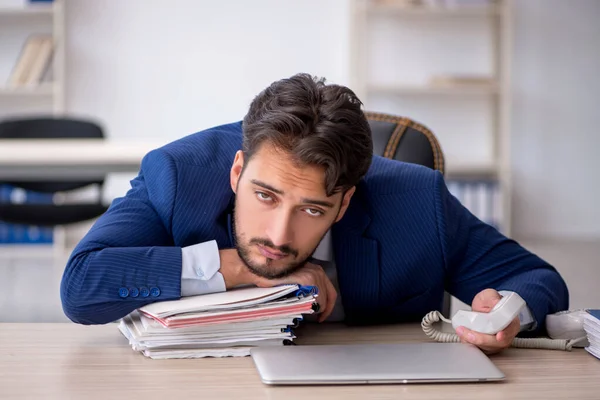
(50, 214)
(402, 139)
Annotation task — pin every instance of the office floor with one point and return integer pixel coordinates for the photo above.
(29, 281)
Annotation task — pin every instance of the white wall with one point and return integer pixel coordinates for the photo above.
(409, 50)
(556, 119)
(162, 69)
(158, 69)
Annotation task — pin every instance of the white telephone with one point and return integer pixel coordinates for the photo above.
(564, 328)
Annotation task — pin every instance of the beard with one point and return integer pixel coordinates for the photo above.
(265, 270)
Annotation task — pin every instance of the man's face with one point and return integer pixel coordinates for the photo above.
(282, 211)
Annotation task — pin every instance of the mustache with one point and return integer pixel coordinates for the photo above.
(285, 249)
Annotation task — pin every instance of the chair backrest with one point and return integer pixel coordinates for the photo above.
(50, 128)
(403, 139)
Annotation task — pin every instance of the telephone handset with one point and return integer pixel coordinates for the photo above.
(565, 328)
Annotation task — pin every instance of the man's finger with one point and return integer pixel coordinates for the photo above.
(321, 299)
(510, 332)
(331, 297)
(486, 300)
(479, 339)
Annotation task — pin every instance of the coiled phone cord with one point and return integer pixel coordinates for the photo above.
(533, 343)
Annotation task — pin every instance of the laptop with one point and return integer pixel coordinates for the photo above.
(373, 364)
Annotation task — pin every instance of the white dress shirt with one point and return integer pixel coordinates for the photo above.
(200, 264)
(200, 275)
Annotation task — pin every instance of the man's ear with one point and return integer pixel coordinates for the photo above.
(345, 202)
(236, 170)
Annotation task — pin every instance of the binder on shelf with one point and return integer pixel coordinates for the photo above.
(19, 233)
(483, 198)
(33, 62)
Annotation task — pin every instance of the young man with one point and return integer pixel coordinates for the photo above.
(293, 194)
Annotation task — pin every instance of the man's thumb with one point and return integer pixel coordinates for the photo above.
(486, 300)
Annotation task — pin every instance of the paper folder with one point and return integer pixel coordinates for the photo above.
(219, 324)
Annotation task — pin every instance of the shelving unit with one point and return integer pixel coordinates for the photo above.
(53, 23)
(29, 9)
(401, 52)
(398, 8)
(451, 90)
(47, 98)
(38, 91)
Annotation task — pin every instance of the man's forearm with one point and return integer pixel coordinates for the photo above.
(206, 269)
(543, 290)
(526, 319)
(101, 286)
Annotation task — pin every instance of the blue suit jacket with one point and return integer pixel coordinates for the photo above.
(403, 241)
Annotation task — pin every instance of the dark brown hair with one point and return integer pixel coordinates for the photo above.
(317, 124)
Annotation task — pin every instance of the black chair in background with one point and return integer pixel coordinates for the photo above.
(403, 139)
(50, 214)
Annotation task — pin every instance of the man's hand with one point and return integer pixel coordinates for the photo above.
(484, 301)
(309, 275)
(236, 273)
(233, 269)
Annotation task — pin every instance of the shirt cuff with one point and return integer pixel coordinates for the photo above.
(528, 322)
(200, 269)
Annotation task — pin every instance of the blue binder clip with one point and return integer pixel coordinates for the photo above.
(304, 291)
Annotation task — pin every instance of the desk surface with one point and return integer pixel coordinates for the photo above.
(71, 361)
(46, 159)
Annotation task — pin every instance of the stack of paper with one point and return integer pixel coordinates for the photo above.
(219, 324)
(591, 324)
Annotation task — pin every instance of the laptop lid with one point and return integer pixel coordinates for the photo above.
(374, 363)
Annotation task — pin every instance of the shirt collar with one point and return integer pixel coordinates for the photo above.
(324, 250)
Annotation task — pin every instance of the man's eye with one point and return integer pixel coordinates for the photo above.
(313, 212)
(263, 196)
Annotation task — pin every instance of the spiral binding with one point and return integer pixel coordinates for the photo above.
(533, 343)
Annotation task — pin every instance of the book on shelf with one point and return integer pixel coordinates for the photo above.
(482, 197)
(398, 3)
(434, 4)
(461, 80)
(458, 3)
(33, 64)
(10, 4)
(11, 234)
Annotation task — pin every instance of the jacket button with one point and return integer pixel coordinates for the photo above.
(123, 292)
(144, 292)
(155, 292)
(134, 292)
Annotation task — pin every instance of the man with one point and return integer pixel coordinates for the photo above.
(294, 195)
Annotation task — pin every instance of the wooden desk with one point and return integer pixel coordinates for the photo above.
(67, 361)
(70, 158)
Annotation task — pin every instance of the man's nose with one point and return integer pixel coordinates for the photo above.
(279, 229)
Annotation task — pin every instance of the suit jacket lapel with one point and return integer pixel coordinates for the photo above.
(357, 262)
